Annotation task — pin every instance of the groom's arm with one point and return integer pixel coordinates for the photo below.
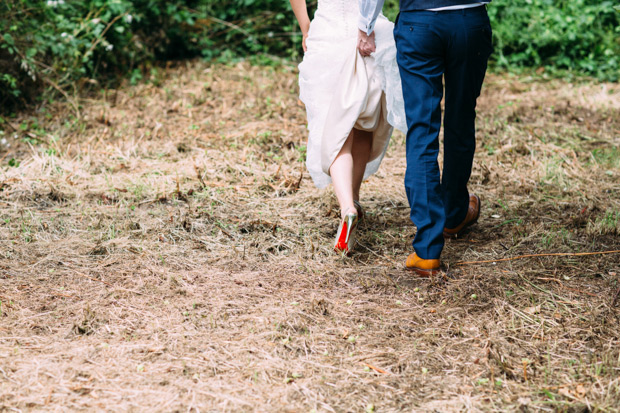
(369, 11)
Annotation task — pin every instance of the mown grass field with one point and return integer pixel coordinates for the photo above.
(165, 250)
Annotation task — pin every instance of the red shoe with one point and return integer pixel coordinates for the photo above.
(422, 267)
(473, 212)
(345, 238)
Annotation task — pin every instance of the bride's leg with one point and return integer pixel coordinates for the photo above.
(347, 170)
(362, 145)
(341, 172)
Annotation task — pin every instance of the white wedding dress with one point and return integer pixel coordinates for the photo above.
(342, 90)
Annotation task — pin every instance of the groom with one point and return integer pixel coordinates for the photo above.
(437, 40)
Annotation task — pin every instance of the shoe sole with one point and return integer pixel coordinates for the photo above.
(342, 246)
(424, 273)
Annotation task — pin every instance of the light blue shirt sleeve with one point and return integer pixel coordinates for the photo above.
(369, 11)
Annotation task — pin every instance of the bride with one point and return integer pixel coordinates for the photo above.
(353, 102)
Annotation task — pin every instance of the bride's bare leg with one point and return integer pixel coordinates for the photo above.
(362, 145)
(347, 170)
(341, 173)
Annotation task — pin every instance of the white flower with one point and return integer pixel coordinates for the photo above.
(129, 18)
(63, 34)
(95, 21)
(109, 47)
(3, 141)
(52, 3)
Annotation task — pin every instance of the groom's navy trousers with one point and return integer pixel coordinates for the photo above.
(433, 46)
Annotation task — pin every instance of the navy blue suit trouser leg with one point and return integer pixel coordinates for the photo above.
(431, 46)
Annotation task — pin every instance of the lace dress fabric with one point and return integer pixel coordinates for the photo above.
(341, 89)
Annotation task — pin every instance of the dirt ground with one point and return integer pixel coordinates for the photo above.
(166, 251)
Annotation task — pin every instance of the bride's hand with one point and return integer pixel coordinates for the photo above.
(365, 43)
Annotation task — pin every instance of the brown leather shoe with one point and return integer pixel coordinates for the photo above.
(473, 212)
(422, 267)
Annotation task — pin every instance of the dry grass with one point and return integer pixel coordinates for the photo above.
(165, 253)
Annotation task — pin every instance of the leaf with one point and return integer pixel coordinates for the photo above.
(563, 391)
(580, 390)
(9, 39)
(533, 310)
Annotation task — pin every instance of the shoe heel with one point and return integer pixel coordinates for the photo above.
(345, 237)
(351, 220)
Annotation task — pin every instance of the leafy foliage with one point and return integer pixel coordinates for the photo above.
(578, 35)
(59, 43)
(64, 45)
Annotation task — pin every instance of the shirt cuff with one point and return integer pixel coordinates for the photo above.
(364, 25)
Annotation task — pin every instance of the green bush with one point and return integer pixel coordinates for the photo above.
(57, 43)
(577, 35)
(582, 36)
(64, 45)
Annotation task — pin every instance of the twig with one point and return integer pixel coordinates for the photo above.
(301, 176)
(230, 25)
(549, 279)
(613, 303)
(114, 20)
(565, 287)
(554, 254)
(377, 369)
(576, 291)
(226, 233)
(540, 288)
(62, 295)
(199, 174)
(4, 156)
(62, 92)
(94, 279)
(396, 264)
(113, 286)
(11, 126)
(15, 205)
(36, 315)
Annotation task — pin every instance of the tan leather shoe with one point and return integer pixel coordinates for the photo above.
(473, 212)
(422, 267)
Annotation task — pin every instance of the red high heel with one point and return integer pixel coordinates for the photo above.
(345, 238)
